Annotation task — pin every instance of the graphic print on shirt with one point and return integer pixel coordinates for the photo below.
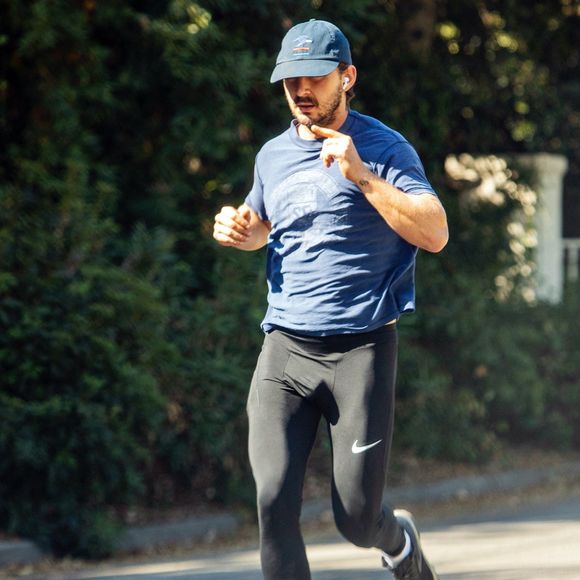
(304, 205)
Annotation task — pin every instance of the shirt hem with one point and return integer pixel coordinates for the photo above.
(268, 327)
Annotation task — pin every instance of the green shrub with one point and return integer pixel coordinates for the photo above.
(482, 361)
(79, 407)
(203, 446)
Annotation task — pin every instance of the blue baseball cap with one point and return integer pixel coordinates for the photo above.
(311, 49)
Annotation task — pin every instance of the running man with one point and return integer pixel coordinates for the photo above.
(343, 204)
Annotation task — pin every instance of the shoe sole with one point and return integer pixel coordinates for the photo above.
(409, 520)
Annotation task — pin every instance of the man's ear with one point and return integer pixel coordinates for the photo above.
(349, 78)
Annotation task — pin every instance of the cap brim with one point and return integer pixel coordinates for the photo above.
(302, 68)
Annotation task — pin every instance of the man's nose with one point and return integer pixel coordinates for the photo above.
(303, 85)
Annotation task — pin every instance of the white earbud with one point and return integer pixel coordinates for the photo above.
(345, 82)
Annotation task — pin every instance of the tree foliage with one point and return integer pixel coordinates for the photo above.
(128, 339)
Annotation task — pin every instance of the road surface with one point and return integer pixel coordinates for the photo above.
(537, 542)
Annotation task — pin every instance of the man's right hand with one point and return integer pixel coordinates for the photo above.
(231, 227)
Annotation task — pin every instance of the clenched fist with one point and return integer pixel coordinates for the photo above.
(231, 227)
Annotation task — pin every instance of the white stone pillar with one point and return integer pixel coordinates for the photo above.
(548, 170)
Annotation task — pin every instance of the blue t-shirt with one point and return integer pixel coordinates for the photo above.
(334, 265)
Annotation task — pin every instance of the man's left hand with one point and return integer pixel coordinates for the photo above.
(340, 148)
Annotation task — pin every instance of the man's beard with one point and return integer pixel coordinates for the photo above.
(324, 118)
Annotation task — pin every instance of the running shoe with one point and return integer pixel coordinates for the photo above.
(415, 566)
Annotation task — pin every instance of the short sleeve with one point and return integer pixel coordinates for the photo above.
(255, 199)
(404, 169)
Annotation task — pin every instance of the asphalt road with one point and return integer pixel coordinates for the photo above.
(537, 542)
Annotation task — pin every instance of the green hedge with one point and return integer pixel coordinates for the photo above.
(80, 407)
(511, 375)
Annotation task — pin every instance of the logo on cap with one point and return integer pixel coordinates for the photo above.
(301, 44)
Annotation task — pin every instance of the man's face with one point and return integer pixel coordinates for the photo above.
(315, 100)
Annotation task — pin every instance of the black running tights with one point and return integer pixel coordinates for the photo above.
(349, 381)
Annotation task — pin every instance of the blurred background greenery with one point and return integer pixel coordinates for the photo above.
(128, 338)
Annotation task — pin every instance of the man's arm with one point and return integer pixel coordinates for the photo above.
(418, 218)
(240, 228)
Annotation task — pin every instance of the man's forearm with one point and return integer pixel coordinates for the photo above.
(418, 218)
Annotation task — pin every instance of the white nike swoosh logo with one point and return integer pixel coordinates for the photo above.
(357, 449)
